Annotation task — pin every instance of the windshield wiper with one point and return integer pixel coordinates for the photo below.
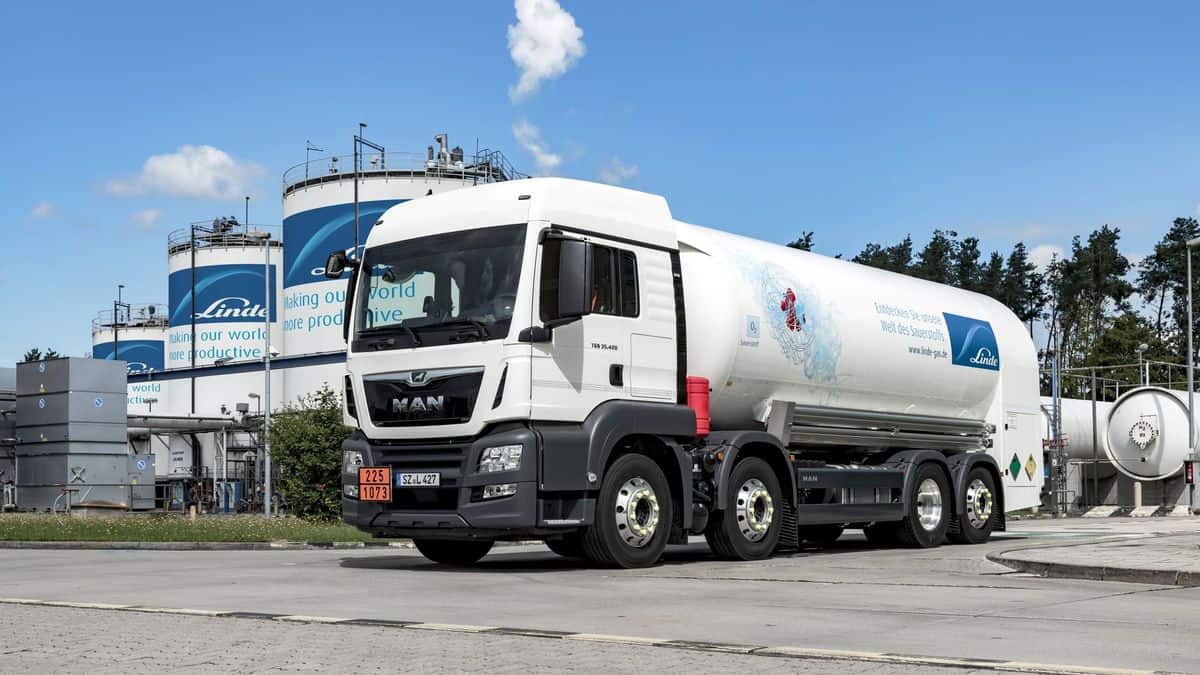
(387, 342)
(480, 328)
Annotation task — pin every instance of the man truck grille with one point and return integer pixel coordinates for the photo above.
(422, 397)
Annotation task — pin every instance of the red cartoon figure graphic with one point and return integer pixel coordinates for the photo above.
(795, 320)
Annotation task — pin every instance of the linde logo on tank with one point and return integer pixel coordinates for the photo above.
(232, 308)
(985, 358)
(972, 342)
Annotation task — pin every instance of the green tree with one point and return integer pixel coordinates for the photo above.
(804, 242)
(991, 278)
(306, 443)
(36, 354)
(966, 272)
(935, 262)
(897, 258)
(1023, 289)
(1162, 277)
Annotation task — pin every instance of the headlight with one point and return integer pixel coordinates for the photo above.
(500, 458)
(351, 460)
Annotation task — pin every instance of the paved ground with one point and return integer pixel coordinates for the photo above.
(1169, 559)
(143, 643)
(947, 602)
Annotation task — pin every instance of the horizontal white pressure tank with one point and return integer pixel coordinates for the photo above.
(767, 322)
(1076, 427)
(1147, 433)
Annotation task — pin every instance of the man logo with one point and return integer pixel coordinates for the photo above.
(417, 378)
(418, 406)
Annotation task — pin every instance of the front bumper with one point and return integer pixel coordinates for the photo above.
(456, 510)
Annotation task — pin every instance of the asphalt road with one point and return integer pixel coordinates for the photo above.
(947, 602)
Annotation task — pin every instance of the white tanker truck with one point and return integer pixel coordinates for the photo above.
(561, 360)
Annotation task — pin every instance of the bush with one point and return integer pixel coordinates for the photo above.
(306, 444)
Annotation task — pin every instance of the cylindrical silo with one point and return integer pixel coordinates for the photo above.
(319, 218)
(138, 336)
(218, 298)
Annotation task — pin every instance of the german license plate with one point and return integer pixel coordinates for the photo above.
(375, 483)
(418, 479)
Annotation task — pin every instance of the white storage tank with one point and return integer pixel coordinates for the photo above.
(217, 296)
(137, 336)
(1147, 433)
(318, 218)
(1076, 425)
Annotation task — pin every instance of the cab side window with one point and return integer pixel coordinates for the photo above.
(614, 282)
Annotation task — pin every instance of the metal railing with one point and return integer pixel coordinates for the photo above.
(485, 166)
(138, 316)
(220, 232)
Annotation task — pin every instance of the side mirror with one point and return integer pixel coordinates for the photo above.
(574, 279)
(337, 263)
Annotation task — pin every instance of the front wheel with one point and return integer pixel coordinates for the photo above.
(633, 515)
(980, 510)
(749, 528)
(450, 552)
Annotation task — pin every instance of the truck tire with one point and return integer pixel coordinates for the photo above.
(821, 535)
(568, 545)
(633, 515)
(749, 529)
(928, 509)
(450, 552)
(979, 512)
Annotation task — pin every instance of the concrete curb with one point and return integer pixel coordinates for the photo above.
(216, 545)
(1061, 570)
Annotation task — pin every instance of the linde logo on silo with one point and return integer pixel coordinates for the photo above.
(223, 294)
(972, 342)
(232, 308)
(309, 236)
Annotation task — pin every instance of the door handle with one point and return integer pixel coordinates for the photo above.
(616, 375)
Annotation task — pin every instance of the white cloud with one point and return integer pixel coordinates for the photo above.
(147, 219)
(1042, 254)
(544, 43)
(200, 171)
(531, 139)
(615, 172)
(43, 210)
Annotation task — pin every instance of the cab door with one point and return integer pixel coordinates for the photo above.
(622, 349)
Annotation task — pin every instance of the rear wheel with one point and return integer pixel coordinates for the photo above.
(749, 528)
(821, 535)
(980, 510)
(633, 515)
(449, 552)
(928, 509)
(568, 545)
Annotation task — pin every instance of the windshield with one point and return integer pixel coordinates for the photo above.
(441, 288)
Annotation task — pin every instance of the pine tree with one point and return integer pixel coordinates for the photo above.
(804, 242)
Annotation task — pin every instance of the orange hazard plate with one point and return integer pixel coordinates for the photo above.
(375, 483)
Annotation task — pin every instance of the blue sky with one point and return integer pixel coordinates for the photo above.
(860, 121)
